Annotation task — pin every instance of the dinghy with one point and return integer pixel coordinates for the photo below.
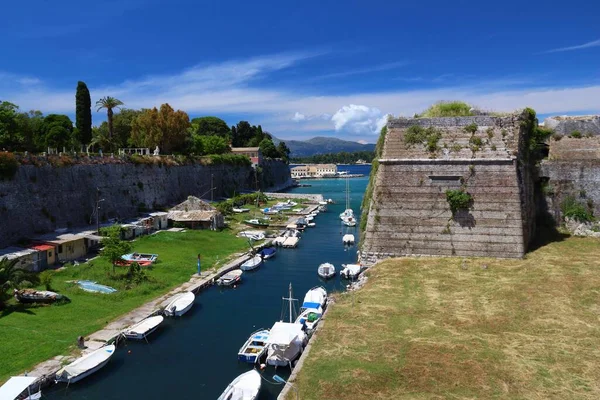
(240, 210)
(37, 296)
(143, 328)
(267, 252)
(256, 222)
(231, 278)
(350, 271)
(309, 318)
(244, 387)
(85, 365)
(252, 263)
(348, 239)
(180, 304)
(311, 224)
(140, 257)
(326, 270)
(254, 235)
(254, 348)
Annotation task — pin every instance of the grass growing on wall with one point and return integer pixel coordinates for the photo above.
(366, 203)
(447, 109)
(34, 334)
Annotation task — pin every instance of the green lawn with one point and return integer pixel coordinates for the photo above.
(29, 335)
(435, 328)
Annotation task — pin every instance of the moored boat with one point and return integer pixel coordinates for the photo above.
(326, 270)
(268, 252)
(254, 235)
(348, 239)
(350, 271)
(255, 347)
(230, 278)
(285, 344)
(314, 298)
(140, 257)
(244, 387)
(256, 222)
(309, 318)
(143, 328)
(252, 263)
(37, 296)
(180, 304)
(240, 210)
(349, 221)
(86, 365)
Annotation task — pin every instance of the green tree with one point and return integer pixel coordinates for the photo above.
(109, 103)
(113, 246)
(243, 133)
(211, 144)
(165, 128)
(83, 113)
(57, 131)
(30, 125)
(122, 123)
(9, 135)
(284, 151)
(12, 277)
(268, 149)
(210, 126)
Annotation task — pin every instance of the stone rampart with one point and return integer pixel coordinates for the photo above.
(42, 199)
(409, 213)
(565, 125)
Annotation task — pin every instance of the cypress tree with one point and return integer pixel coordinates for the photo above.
(83, 113)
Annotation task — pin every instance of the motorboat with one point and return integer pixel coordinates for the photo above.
(230, 278)
(309, 318)
(37, 296)
(309, 218)
(244, 387)
(255, 347)
(348, 238)
(254, 235)
(349, 221)
(326, 270)
(267, 252)
(86, 365)
(315, 298)
(140, 257)
(311, 225)
(270, 211)
(285, 343)
(252, 263)
(240, 210)
(256, 222)
(350, 271)
(180, 304)
(16, 385)
(143, 328)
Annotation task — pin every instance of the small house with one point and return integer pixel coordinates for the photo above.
(253, 153)
(27, 258)
(46, 255)
(195, 213)
(160, 220)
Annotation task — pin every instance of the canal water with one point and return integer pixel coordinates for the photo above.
(196, 356)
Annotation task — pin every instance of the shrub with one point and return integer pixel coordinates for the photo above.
(456, 147)
(476, 141)
(46, 278)
(458, 199)
(576, 135)
(471, 128)
(427, 136)
(447, 109)
(8, 165)
(571, 208)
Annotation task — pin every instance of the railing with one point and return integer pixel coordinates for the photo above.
(135, 150)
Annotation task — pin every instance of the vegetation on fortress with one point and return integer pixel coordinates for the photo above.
(336, 158)
(169, 129)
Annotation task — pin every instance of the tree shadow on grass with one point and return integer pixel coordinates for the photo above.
(20, 308)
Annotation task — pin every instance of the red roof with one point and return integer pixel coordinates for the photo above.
(41, 247)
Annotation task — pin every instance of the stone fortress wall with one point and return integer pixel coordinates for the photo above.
(409, 213)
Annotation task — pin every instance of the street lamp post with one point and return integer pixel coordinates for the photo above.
(279, 379)
(98, 200)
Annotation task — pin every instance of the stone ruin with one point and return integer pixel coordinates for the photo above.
(485, 156)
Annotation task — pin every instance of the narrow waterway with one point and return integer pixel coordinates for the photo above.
(196, 356)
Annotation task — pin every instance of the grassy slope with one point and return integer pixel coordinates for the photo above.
(426, 328)
(33, 334)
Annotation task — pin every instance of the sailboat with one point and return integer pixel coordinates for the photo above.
(347, 216)
(286, 339)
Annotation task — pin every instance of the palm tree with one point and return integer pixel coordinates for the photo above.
(12, 277)
(109, 103)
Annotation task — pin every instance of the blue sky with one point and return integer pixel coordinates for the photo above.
(303, 69)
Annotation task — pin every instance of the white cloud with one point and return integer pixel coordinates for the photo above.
(359, 119)
(366, 70)
(298, 117)
(595, 43)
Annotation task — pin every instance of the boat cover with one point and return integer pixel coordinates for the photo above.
(146, 325)
(284, 333)
(268, 251)
(87, 362)
(15, 386)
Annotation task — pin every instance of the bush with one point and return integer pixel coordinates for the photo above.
(476, 141)
(458, 199)
(576, 135)
(447, 109)
(46, 278)
(8, 165)
(572, 208)
(429, 137)
(471, 128)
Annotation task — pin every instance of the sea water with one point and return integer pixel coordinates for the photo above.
(195, 356)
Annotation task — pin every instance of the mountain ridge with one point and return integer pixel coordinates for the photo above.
(323, 145)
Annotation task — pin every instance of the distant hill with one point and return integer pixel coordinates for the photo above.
(322, 145)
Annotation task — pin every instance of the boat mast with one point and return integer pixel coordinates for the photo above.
(290, 300)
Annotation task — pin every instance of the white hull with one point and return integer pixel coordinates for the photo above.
(251, 264)
(348, 239)
(83, 375)
(180, 305)
(326, 270)
(144, 328)
(70, 374)
(244, 387)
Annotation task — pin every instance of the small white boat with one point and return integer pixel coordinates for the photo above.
(315, 298)
(310, 317)
(244, 387)
(290, 242)
(252, 263)
(326, 270)
(85, 365)
(254, 348)
(254, 235)
(285, 343)
(143, 328)
(180, 304)
(309, 218)
(240, 210)
(348, 213)
(350, 271)
(348, 238)
(311, 224)
(231, 278)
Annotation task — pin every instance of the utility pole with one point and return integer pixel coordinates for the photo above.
(98, 201)
(212, 187)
